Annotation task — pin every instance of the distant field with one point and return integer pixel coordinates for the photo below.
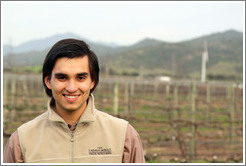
(177, 121)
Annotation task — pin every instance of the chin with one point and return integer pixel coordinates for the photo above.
(72, 108)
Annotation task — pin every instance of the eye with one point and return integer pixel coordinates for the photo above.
(81, 77)
(61, 78)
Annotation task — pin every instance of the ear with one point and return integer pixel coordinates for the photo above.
(92, 84)
(47, 82)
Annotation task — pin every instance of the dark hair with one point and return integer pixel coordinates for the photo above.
(70, 48)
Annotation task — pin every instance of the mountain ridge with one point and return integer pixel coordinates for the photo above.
(44, 43)
(155, 57)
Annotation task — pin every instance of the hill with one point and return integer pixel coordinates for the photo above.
(41, 45)
(152, 57)
(183, 59)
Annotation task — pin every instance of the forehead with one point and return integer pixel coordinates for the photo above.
(71, 65)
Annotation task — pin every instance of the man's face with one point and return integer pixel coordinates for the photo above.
(70, 84)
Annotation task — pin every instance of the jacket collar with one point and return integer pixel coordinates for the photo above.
(87, 116)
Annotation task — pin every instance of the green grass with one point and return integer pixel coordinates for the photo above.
(157, 161)
(184, 129)
(207, 129)
(108, 109)
(200, 161)
(220, 118)
(27, 69)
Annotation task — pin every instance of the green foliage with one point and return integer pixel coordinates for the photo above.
(183, 60)
(151, 58)
(26, 69)
(33, 69)
(108, 109)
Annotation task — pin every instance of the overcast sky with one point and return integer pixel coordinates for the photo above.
(120, 22)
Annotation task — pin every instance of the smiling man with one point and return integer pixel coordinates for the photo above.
(72, 129)
(70, 84)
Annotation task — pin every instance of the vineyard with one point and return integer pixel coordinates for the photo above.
(178, 121)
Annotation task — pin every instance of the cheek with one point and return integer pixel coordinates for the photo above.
(85, 86)
(57, 86)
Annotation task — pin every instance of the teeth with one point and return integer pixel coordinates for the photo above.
(71, 97)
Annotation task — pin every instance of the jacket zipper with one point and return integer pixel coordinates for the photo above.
(72, 143)
(72, 147)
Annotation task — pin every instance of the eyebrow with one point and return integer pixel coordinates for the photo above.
(82, 74)
(60, 75)
(65, 75)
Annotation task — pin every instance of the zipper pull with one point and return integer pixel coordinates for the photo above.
(72, 139)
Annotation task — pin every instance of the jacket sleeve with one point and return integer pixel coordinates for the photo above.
(133, 149)
(12, 152)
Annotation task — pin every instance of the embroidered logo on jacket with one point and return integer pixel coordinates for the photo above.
(100, 151)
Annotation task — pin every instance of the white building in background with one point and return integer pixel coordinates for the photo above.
(163, 78)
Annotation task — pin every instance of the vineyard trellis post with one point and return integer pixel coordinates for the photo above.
(5, 90)
(24, 86)
(126, 97)
(231, 102)
(167, 91)
(193, 120)
(132, 88)
(132, 91)
(156, 85)
(13, 93)
(116, 98)
(208, 94)
(175, 100)
(208, 100)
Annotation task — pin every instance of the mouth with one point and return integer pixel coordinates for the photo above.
(71, 98)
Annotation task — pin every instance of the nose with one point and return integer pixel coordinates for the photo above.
(71, 86)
